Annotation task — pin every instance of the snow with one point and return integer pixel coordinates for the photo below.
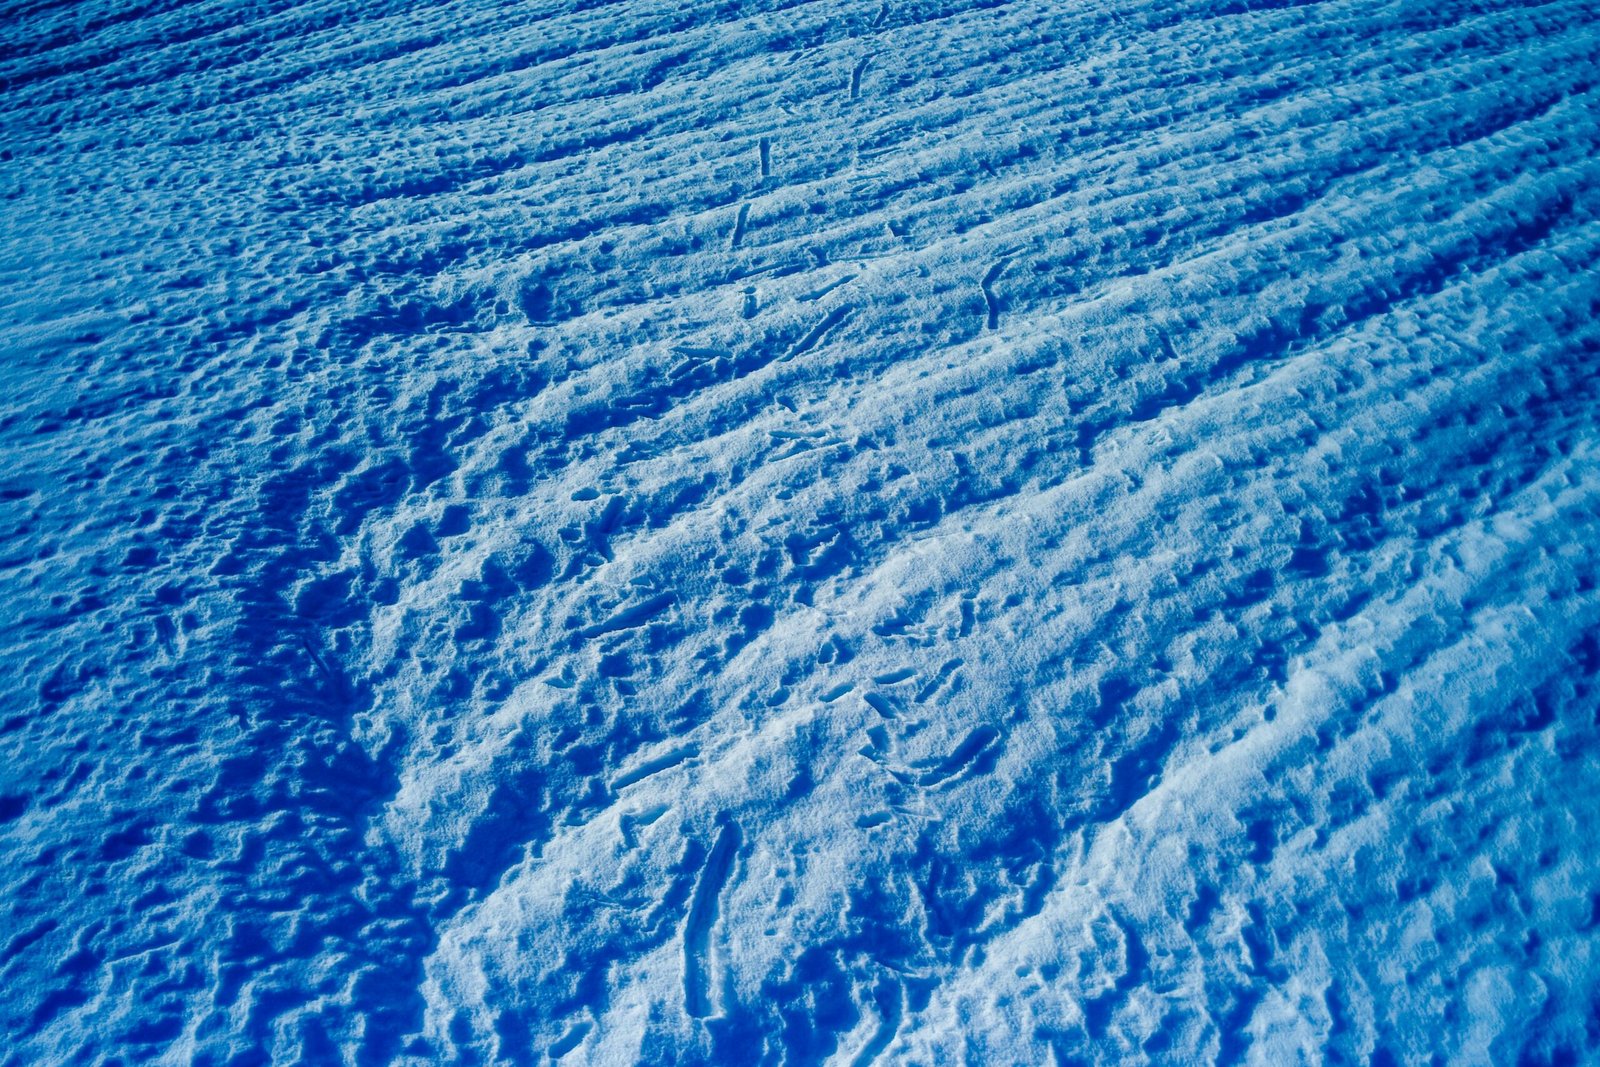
(915, 532)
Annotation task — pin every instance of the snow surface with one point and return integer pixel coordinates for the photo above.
(718, 531)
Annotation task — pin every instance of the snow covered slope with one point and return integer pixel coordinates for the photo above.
(794, 532)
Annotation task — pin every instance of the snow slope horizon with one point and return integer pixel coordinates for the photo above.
(800, 532)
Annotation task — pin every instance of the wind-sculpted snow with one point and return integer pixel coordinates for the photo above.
(942, 531)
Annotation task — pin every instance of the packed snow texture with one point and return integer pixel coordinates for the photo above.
(791, 532)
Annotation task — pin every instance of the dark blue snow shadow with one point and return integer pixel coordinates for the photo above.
(299, 795)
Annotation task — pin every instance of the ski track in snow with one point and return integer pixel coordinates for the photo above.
(916, 532)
